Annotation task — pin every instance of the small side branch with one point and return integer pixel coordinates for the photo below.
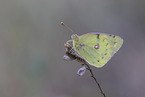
(92, 75)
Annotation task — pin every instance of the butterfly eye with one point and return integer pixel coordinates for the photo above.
(74, 36)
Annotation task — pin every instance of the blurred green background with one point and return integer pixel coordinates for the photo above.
(31, 48)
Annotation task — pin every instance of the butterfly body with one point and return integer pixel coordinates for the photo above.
(96, 48)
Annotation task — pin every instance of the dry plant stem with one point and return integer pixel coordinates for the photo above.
(92, 75)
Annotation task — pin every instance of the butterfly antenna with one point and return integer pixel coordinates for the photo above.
(67, 27)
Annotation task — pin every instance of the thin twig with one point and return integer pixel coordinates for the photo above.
(74, 56)
(92, 75)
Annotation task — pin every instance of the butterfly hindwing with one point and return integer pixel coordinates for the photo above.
(97, 48)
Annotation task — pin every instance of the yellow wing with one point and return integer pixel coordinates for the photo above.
(97, 48)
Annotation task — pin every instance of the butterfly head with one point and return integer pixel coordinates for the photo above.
(74, 37)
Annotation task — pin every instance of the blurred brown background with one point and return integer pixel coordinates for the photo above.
(31, 48)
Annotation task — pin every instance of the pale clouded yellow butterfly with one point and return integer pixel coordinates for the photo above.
(95, 48)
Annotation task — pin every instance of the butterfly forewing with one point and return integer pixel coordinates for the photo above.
(97, 48)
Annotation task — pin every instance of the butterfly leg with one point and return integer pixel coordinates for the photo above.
(68, 46)
(69, 41)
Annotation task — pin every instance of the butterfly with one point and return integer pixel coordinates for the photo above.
(94, 48)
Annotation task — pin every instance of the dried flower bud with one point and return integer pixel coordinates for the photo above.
(81, 71)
